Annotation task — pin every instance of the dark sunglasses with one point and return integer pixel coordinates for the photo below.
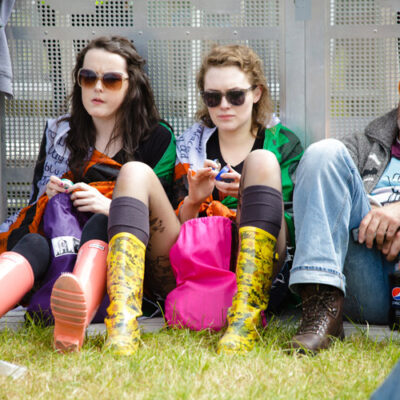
(110, 80)
(236, 97)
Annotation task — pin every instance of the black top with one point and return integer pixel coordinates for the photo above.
(214, 152)
(150, 152)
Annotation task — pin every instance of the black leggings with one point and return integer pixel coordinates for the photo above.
(95, 229)
(36, 248)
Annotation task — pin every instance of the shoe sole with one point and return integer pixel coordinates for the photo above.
(298, 347)
(70, 313)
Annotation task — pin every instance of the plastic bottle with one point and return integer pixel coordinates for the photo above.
(394, 313)
(15, 371)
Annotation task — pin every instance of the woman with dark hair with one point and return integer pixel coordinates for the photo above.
(113, 119)
(236, 130)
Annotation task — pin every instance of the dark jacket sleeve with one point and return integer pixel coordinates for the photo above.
(353, 143)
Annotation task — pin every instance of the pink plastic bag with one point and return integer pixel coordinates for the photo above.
(200, 259)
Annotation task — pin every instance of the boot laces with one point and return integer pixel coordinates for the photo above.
(316, 310)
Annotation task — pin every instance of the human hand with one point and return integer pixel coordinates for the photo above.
(391, 249)
(380, 224)
(229, 185)
(55, 185)
(86, 198)
(201, 183)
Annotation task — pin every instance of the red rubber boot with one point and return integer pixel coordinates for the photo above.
(16, 279)
(76, 297)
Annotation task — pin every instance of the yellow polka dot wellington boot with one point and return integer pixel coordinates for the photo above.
(125, 275)
(254, 278)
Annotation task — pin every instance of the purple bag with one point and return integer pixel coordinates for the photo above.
(62, 225)
(205, 286)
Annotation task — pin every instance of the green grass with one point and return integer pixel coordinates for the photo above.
(179, 364)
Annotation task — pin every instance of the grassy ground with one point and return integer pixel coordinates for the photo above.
(179, 364)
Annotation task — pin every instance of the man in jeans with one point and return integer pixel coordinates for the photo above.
(340, 186)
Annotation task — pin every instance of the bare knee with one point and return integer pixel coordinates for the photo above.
(132, 176)
(134, 169)
(261, 167)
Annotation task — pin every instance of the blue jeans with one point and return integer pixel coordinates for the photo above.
(390, 387)
(330, 201)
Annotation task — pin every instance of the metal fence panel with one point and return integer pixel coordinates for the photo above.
(332, 65)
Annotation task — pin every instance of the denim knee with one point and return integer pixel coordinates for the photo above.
(324, 152)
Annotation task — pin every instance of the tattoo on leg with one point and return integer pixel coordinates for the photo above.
(156, 224)
(159, 276)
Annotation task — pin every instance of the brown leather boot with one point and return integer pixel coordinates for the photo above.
(322, 318)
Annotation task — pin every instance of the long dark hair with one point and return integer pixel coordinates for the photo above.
(136, 117)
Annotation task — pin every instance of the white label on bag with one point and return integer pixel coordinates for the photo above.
(65, 245)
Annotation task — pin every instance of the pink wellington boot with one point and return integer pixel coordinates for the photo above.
(16, 279)
(77, 296)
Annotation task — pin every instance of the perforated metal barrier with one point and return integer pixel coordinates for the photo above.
(332, 65)
(364, 50)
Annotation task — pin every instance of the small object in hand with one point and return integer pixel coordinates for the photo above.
(15, 371)
(67, 183)
(218, 163)
(223, 171)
